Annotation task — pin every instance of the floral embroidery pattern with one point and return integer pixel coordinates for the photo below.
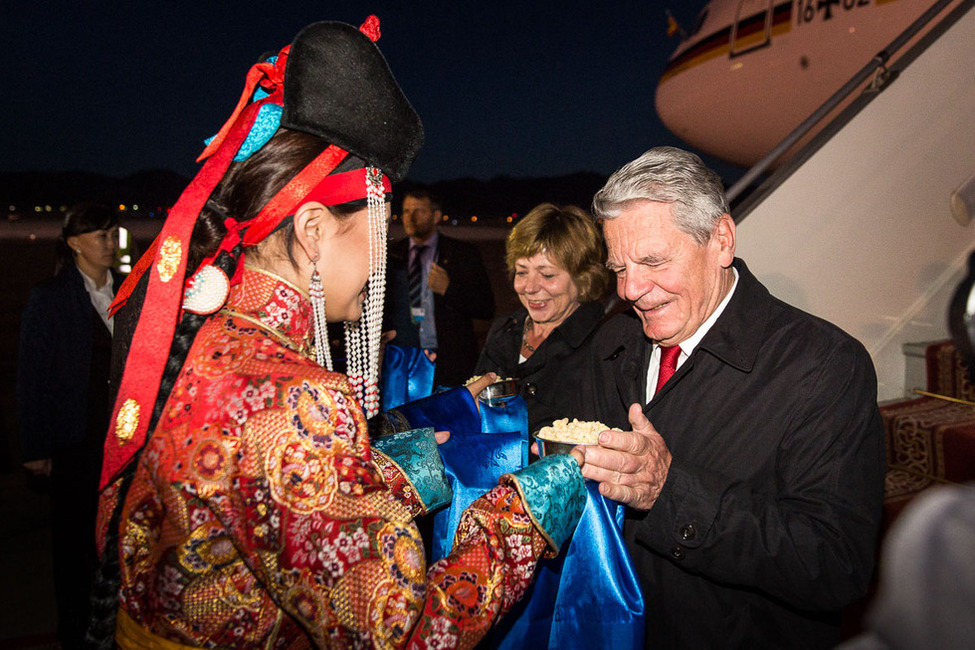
(210, 461)
(258, 492)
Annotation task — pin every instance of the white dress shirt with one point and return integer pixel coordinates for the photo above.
(101, 298)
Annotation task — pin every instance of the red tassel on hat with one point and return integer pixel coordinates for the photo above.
(371, 28)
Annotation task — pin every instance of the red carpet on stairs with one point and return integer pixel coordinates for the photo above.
(930, 441)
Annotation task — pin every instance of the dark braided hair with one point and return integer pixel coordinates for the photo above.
(244, 190)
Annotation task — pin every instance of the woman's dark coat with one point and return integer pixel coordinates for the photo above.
(551, 380)
(58, 331)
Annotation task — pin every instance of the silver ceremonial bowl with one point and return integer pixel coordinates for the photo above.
(499, 391)
(551, 447)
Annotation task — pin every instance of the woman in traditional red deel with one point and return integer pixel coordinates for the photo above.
(243, 502)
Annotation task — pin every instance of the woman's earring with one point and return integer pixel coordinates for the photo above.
(316, 294)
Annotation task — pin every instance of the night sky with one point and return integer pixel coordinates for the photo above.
(523, 89)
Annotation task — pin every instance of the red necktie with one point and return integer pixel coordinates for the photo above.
(668, 365)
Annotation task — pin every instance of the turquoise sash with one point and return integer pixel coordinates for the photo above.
(415, 451)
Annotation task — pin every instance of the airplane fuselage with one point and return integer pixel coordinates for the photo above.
(753, 70)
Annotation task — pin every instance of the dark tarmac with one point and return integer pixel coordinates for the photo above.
(28, 616)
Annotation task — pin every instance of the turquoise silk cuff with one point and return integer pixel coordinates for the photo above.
(415, 451)
(554, 493)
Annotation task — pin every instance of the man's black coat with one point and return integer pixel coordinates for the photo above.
(767, 523)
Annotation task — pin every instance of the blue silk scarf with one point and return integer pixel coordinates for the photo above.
(505, 417)
(407, 375)
(587, 597)
(474, 461)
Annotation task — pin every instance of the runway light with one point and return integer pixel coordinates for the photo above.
(47, 208)
(121, 208)
(473, 219)
(509, 219)
(135, 207)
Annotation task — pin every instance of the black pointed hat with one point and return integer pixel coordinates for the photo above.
(338, 86)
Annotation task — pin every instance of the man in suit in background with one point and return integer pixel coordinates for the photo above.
(448, 287)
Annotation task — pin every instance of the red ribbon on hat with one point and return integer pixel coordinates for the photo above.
(313, 183)
(230, 241)
(160, 311)
(370, 27)
(166, 264)
(344, 188)
(266, 75)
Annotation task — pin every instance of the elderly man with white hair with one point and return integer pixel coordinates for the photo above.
(753, 461)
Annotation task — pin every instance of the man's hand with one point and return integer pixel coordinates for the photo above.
(438, 280)
(630, 466)
(475, 387)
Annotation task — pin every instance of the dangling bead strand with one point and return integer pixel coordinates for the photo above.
(316, 295)
(362, 339)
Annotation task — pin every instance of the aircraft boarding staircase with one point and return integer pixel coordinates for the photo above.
(858, 226)
(868, 227)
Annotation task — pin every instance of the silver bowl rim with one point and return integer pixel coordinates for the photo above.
(499, 389)
(547, 446)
